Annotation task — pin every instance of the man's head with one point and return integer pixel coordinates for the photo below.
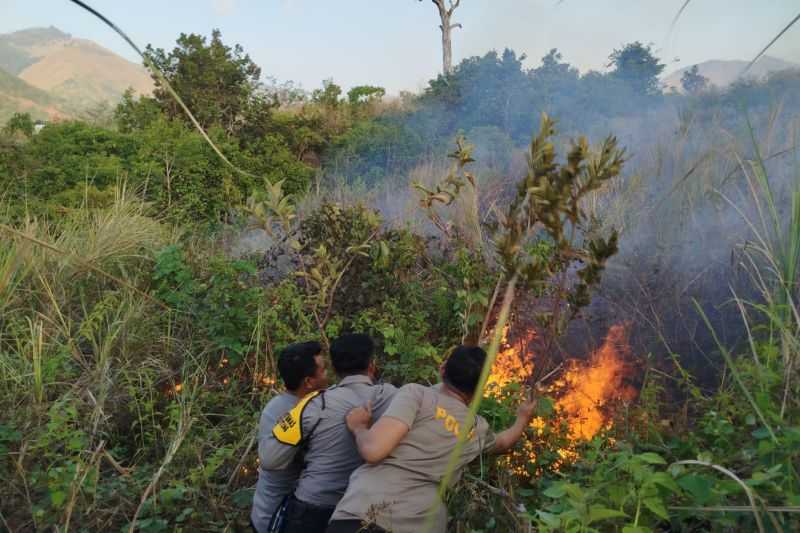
(352, 354)
(462, 370)
(302, 367)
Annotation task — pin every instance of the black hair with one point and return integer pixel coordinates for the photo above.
(351, 354)
(296, 362)
(462, 370)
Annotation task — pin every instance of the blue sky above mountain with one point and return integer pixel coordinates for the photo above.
(396, 43)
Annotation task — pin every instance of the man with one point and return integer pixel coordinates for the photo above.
(407, 451)
(302, 369)
(319, 426)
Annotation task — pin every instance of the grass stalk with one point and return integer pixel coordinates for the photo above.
(505, 311)
(729, 361)
(747, 490)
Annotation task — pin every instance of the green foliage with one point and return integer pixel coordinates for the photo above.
(217, 82)
(21, 123)
(222, 301)
(693, 82)
(626, 490)
(365, 94)
(635, 65)
(538, 237)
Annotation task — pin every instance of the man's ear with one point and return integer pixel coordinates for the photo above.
(372, 368)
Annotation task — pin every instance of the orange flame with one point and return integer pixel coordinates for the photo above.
(591, 386)
(585, 389)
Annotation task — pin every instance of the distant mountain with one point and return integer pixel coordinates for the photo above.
(18, 96)
(76, 73)
(722, 73)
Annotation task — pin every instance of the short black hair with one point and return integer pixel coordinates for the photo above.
(462, 369)
(296, 362)
(352, 353)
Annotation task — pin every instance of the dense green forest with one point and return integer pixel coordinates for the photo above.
(146, 284)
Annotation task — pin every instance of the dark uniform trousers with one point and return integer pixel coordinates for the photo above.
(352, 526)
(302, 517)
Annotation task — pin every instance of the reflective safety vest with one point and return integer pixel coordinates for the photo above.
(289, 429)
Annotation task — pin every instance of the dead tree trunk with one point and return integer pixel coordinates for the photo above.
(445, 15)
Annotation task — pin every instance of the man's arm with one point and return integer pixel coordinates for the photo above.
(376, 443)
(505, 440)
(277, 455)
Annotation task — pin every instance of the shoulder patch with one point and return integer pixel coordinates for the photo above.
(289, 429)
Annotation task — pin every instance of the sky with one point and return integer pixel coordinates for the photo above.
(396, 43)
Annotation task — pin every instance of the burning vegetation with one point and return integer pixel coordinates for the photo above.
(587, 389)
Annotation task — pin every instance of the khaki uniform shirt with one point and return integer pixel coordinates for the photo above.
(398, 492)
(331, 454)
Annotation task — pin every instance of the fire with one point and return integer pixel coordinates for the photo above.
(589, 387)
(511, 365)
(586, 387)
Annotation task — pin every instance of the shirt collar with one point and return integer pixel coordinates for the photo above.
(356, 378)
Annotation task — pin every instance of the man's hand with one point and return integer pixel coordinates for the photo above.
(527, 408)
(359, 417)
(505, 440)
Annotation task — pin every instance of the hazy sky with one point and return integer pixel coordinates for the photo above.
(396, 43)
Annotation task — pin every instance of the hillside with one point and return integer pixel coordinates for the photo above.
(724, 72)
(18, 96)
(78, 72)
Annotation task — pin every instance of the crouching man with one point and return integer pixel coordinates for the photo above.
(407, 451)
(302, 369)
(319, 426)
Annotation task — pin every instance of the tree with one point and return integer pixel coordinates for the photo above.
(133, 113)
(328, 96)
(364, 94)
(636, 65)
(693, 82)
(21, 123)
(445, 15)
(218, 83)
(556, 81)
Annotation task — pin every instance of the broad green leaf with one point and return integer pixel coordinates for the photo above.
(598, 512)
(57, 497)
(657, 507)
(549, 519)
(557, 490)
(761, 433)
(652, 458)
(664, 480)
(698, 487)
(636, 529)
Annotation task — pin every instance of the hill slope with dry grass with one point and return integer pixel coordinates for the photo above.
(77, 73)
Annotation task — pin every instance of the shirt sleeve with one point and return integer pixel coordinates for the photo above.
(382, 398)
(406, 404)
(275, 455)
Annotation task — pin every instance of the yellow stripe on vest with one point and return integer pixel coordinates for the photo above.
(289, 429)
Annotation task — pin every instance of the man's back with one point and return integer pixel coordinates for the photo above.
(398, 492)
(272, 485)
(331, 454)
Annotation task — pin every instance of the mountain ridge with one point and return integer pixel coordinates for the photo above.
(723, 72)
(78, 74)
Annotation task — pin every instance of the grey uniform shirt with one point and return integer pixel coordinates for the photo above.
(272, 484)
(331, 454)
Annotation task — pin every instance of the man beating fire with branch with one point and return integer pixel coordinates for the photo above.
(408, 451)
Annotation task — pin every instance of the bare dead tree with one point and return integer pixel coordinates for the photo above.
(445, 14)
